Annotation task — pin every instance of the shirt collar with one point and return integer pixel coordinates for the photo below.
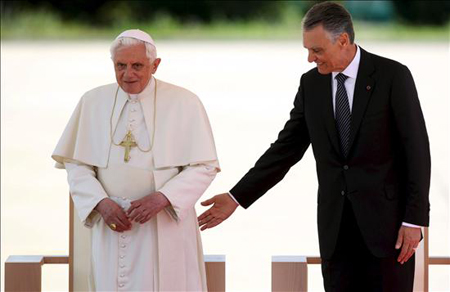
(352, 69)
(144, 93)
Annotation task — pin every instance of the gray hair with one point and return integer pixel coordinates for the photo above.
(150, 50)
(334, 18)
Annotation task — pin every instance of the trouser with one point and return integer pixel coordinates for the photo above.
(353, 267)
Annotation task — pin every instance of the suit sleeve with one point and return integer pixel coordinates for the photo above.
(414, 139)
(273, 165)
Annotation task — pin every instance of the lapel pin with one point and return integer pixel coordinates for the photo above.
(368, 87)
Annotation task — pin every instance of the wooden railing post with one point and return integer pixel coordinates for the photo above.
(23, 273)
(289, 273)
(215, 272)
(421, 265)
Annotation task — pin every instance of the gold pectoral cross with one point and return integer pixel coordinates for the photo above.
(128, 142)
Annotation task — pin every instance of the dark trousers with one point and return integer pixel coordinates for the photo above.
(354, 268)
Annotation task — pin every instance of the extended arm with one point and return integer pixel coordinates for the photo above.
(270, 168)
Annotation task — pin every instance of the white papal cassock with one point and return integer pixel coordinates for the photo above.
(165, 253)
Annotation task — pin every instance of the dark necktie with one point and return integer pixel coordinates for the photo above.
(343, 115)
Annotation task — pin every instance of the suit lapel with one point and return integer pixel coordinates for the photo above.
(325, 95)
(363, 90)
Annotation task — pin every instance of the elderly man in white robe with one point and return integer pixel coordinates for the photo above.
(139, 153)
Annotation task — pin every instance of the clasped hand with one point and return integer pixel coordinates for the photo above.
(145, 208)
(140, 211)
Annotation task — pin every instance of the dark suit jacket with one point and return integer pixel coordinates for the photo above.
(386, 175)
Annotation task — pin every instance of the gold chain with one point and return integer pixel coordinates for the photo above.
(154, 121)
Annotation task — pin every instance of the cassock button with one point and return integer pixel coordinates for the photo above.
(342, 193)
(123, 236)
(122, 256)
(133, 110)
(345, 167)
(121, 285)
(123, 245)
(122, 266)
(122, 275)
(368, 87)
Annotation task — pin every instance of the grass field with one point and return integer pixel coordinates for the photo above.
(48, 26)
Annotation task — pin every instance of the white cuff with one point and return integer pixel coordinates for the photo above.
(170, 209)
(233, 198)
(411, 225)
(185, 188)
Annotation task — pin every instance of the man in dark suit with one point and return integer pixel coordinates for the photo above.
(361, 114)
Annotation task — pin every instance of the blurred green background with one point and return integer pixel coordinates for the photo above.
(54, 19)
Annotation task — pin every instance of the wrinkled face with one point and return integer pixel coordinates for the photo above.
(327, 55)
(133, 68)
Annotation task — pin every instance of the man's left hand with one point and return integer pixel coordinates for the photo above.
(408, 239)
(145, 208)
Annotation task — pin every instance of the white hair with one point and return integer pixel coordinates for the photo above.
(150, 50)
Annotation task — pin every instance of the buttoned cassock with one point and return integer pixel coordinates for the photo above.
(165, 253)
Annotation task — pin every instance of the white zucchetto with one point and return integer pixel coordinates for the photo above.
(137, 34)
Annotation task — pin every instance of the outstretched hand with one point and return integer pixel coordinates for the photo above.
(223, 207)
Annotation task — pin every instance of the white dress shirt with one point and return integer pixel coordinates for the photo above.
(351, 72)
